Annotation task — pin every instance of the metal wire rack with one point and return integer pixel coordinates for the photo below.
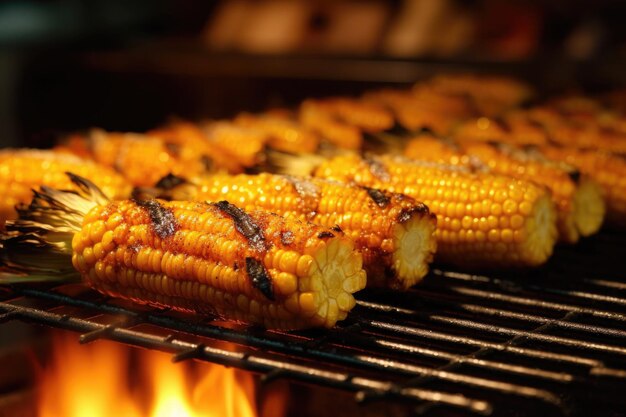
(550, 341)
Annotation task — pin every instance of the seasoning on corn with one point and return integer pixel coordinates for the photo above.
(578, 199)
(22, 170)
(483, 220)
(394, 233)
(200, 257)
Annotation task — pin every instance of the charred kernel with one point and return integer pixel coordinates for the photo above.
(244, 225)
(162, 219)
(259, 277)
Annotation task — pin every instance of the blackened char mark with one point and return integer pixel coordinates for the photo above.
(406, 214)
(308, 192)
(336, 229)
(244, 225)
(502, 124)
(173, 149)
(379, 197)
(207, 163)
(259, 277)
(377, 168)
(325, 235)
(574, 175)
(170, 181)
(162, 219)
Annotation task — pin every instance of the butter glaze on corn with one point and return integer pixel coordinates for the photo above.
(394, 233)
(483, 220)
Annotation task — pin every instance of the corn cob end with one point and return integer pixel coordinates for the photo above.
(326, 291)
(541, 232)
(589, 207)
(415, 246)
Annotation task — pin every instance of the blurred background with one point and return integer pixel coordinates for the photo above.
(68, 65)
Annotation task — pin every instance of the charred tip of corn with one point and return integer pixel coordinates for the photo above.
(337, 274)
(541, 232)
(589, 207)
(414, 245)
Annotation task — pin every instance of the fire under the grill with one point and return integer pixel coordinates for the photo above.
(540, 342)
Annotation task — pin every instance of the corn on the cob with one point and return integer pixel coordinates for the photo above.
(243, 144)
(565, 132)
(609, 171)
(492, 94)
(338, 133)
(483, 129)
(414, 113)
(255, 267)
(393, 232)
(141, 159)
(190, 137)
(282, 133)
(26, 169)
(578, 199)
(483, 220)
(342, 121)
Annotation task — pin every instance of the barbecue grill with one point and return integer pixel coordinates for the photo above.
(547, 341)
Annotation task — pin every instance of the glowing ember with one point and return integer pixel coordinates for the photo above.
(101, 380)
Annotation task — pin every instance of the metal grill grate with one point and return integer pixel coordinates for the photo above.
(540, 342)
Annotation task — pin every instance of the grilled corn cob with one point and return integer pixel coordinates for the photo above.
(281, 132)
(414, 113)
(27, 169)
(492, 95)
(578, 199)
(609, 171)
(243, 144)
(342, 121)
(190, 137)
(142, 159)
(393, 232)
(483, 220)
(255, 267)
(565, 132)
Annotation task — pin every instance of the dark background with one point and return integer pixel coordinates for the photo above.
(68, 65)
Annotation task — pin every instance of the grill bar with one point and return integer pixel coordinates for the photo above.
(480, 343)
(186, 350)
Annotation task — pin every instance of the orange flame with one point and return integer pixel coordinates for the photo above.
(102, 380)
